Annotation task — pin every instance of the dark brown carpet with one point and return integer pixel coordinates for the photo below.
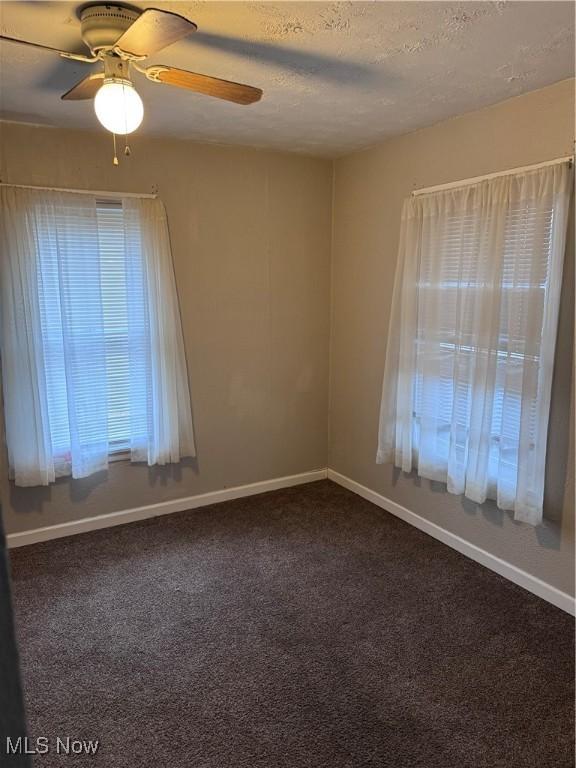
(300, 628)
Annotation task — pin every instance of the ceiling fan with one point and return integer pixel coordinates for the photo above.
(122, 37)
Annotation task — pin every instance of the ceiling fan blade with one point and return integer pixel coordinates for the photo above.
(64, 54)
(154, 30)
(86, 88)
(210, 86)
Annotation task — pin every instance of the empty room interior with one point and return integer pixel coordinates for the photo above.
(287, 392)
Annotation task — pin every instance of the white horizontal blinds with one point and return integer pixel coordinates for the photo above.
(476, 300)
(72, 333)
(114, 320)
(527, 252)
(455, 284)
(447, 283)
(113, 284)
(93, 397)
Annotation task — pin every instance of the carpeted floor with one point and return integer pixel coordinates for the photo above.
(300, 628)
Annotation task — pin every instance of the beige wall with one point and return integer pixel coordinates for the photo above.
(250, 235)
(368, 193)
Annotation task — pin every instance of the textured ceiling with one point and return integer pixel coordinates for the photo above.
(337, 76)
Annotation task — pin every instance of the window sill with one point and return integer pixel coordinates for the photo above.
(119, 456)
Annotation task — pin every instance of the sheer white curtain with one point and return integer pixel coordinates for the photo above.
(90, 336)
(469, 362)
(170, 434)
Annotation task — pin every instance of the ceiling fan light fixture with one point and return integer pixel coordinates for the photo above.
(118, 106)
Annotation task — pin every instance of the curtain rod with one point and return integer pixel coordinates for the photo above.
(476, 179)
(96, 193)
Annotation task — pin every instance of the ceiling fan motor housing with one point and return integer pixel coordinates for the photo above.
(102, 25)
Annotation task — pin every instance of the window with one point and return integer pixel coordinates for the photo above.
(111, 283)
(467, 384)
(522, 280)
(91, 337)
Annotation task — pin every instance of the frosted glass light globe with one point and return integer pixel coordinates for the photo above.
(118, 106)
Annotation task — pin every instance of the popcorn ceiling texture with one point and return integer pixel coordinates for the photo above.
(337, 77)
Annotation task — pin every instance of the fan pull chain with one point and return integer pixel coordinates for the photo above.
(115, 161)
(127, 150)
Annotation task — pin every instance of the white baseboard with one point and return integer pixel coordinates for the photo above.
(511, 572)
(155, 510)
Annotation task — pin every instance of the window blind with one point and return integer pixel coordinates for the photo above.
(83, 274)
(469, 363)
(448, 299)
